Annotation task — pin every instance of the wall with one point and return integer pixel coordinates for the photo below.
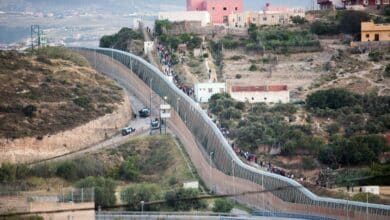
(30, 149)
(202, 16)
(369, 30)
(202, 90)
(268, 97)
(219, 9)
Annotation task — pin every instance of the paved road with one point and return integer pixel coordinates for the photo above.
(140, 124)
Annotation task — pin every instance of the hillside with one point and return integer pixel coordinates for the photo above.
(51, 91)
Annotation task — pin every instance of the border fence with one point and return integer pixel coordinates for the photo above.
(223, 171)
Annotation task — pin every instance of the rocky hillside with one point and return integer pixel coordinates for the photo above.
(49, 91)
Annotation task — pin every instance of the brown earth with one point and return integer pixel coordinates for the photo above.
(41, 96)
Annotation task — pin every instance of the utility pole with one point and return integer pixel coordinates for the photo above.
(151, 95)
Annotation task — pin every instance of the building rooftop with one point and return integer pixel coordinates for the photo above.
(273, 88)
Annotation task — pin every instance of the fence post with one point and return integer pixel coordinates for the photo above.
(82, 195)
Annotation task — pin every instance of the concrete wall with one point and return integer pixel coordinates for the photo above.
(202, 16)
(203, 91)
(30, 148)
(375, 32)
(268, 97)
(242, 20)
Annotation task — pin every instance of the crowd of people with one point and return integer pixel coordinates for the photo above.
(266, 166)
(168, 64)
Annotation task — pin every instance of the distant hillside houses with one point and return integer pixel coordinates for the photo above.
(219, 10)
(199, 16)
(270, 15)
(328, 4)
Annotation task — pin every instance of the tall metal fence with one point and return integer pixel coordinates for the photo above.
(289, 196)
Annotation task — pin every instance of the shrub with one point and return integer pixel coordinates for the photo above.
(29, 110)
(206, 55)
(129, 169)
(236, 57)
(350, 21)
(83, 101)
(364, 196)
(253, 68)
(308, 163)
(324, 28)
(180, 200)
(387, 69)
(222, 205)
(133, 195)
(104, 190)
(298, 20)
(375, 56)
(67, 170)
(238, 76)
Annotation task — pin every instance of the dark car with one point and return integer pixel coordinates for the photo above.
(144, 112)
(127, 130)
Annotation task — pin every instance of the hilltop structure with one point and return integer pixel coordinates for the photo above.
(327, 4)
(375, 32)
(270, 15)
(219, 10)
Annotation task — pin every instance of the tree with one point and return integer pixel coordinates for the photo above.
(29, 110)
(133, 195)
(104, 190)
(298, 19)
(129, 169)
(350, 21)
(160, 26)
(324, 28)
(180, 200)
(67, 170)
(222, 205)
(331, 98)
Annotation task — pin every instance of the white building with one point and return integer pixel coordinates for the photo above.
(202, 16)
(254, 94)
(270, 15)
(204, 91)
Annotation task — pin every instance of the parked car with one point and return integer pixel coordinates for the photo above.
(127, 130)
(155, 124)
(144, 112)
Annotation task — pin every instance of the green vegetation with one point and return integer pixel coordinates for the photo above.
(355, 136)
(324, 28)
(133, 195)
(104, 190)
(222, 205)
(375, 55)
(346, 21)
(366, 197)
(192, 41)
(177, 200)
(253, 68)
(387, 70)
(160, 26)
(47, 53)
(298, 20)
(120, 40)
(58, 94)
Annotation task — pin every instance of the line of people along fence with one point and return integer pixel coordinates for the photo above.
(211, 139)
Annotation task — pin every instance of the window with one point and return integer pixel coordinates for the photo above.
(239, 18)
(213, 8)
(236, 8)
(367, 35)
(221, 90)
(254, 19)
(210, 90)
(224, 8)
(264, 18)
